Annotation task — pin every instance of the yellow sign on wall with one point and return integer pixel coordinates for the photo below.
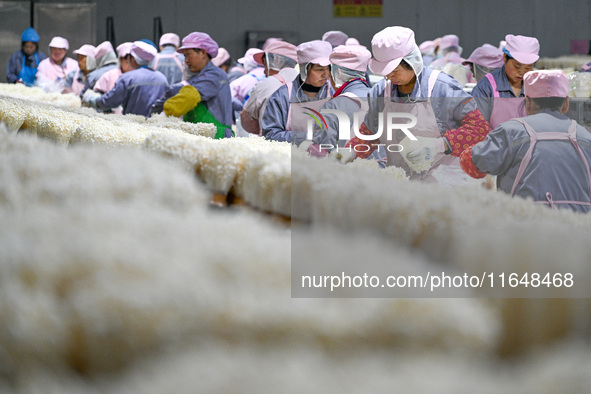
(357, 8)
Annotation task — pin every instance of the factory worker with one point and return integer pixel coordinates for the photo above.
(242, 86)
(205, 97)
(279, 58)
(484, 60)
(22, 65)
(449, 51)
(313, 84)
(544, 155)
(237, 69)
(168, 61)
(52, 72)
(449, 60)
(104, 59)
(348, 70)
(108, 80)
(223, 60)
(135, 90)
(76, 80)
(500, 94)
(447, 120)
(335, 38)
(428, 49)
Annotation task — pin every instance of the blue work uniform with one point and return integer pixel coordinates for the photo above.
(274, 121)
(135, 91)
(358, 88)
(483, 92)
(214, 89)
(19, 64)
(170, 63)
(555, 165)
(449, 101)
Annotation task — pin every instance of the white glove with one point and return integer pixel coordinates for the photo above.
(344, 155)
(426, 151)
(305, 145)
(90, 97)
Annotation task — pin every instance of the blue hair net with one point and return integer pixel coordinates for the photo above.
(149, 42)
(30, 34)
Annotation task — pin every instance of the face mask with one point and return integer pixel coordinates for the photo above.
(277, 62)
(340, 75)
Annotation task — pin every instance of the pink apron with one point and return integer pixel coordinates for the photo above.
(504, 109)
(426, 127)
(534, 138)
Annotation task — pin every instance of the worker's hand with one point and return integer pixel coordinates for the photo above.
(343, 155)
(426, 151)
(185, 100)
(89, 98)
(313, 149)
(305, 145)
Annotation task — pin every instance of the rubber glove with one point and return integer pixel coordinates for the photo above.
(185, 100)
(427, 150)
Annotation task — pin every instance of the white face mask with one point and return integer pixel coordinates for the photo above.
(90, 63)
(481, 71)
(187, 74)
(278, 62)
(340, 75)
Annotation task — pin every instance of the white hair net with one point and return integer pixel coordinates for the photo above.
(481, 71)
(109, 58)
(249, 65)
(139, 60)
(340, 75)
(90, 63)
(415, 60)
(303, 70)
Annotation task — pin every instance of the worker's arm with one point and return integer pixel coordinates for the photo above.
(473, 129)
(494, 155)
(158, 105)
(13, 67)
(483, 95)
(185, 100)
(114, 97)
(274, 121)
(363, 148)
